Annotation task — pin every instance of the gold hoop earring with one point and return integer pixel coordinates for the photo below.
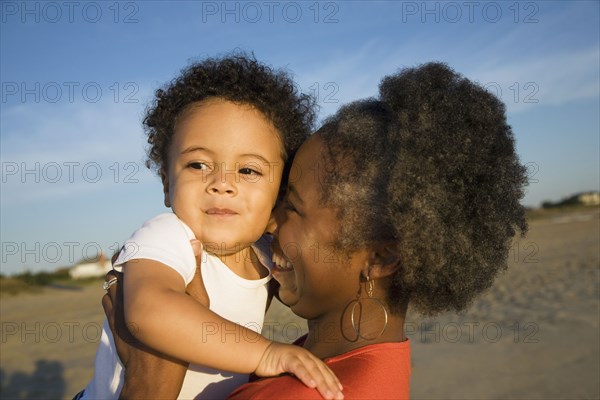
(358, 302)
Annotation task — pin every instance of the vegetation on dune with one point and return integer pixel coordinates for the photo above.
(29, 282)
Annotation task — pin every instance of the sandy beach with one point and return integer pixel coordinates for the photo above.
(534, 334)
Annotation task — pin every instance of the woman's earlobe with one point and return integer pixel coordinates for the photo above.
(384, 261)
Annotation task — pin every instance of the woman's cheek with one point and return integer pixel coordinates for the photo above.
(287, 288)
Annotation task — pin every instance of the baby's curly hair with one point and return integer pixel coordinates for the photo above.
(431, 167)
(238, 78)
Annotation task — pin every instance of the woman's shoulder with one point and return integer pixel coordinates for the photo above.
(373, 371)
(377, 371)
(380, 356)
(284, 387)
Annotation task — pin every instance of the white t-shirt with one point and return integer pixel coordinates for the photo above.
(166, 239)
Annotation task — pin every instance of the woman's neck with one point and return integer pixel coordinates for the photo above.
(335, 334)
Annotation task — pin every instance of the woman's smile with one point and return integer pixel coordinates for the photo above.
(280, 263)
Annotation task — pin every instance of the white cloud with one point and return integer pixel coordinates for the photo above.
(553, 79)
(52, 151)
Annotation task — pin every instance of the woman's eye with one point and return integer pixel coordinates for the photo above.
(287, 206)
(249, 171)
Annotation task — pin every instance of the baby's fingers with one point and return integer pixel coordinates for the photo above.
(315, 374)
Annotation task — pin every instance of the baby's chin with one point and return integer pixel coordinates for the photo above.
(223, 249)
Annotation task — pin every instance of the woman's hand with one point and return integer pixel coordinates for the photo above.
(148, 374)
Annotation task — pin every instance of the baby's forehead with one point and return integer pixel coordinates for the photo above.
(195, 113)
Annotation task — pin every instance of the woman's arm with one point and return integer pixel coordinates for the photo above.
(148, 374)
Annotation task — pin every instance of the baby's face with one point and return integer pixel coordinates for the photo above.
(224, 173)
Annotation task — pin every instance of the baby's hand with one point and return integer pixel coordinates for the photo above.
(279, 358)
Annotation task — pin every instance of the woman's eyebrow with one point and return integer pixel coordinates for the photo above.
(292, 190)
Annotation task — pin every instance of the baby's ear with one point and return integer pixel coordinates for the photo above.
(384, 260)
(272, 225)
(164, 177)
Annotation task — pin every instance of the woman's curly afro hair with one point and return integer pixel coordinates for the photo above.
(238, 78)
(431, 167)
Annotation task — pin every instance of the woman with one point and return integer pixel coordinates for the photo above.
(411, 198)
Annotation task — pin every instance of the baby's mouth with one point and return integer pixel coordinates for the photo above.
(220, 212)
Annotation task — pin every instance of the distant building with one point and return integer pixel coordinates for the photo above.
(584, 198)
(92, 269)
(589, 198)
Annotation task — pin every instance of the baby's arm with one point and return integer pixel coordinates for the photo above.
(161, 315)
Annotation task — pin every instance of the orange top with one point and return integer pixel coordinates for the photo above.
(377, 371)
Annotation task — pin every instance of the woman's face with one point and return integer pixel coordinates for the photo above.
(315, 279)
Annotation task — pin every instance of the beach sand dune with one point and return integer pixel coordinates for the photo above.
(534, 334)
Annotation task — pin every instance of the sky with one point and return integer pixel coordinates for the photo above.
(76, 78)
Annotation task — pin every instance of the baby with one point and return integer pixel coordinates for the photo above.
(220, 136)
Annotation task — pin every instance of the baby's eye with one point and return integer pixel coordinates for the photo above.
(199, 165)
(249, 171)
